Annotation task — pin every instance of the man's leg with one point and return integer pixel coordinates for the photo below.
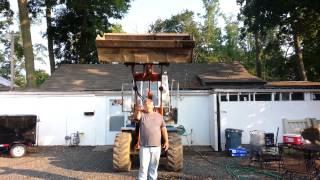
(154, 162)
(144, 155)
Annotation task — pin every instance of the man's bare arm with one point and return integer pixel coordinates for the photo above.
(137, 113)
(164, 133)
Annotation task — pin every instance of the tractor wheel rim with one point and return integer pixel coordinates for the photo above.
(18, 151)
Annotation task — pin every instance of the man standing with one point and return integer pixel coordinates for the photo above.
(152, 125)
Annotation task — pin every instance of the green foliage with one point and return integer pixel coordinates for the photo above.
(116, 28)
(181, 23)
(77, 25)
(5, 64)
(231, 48)
(211, 46)
(5, 17)
(41, 76)
(285, 20)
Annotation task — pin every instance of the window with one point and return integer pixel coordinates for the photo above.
(116, 122)
(277, 96)
(285, 96)
(233, 97)
(223, 97)
(315, 96)
(297, 96)
(263, 97)
(252, 97)
(143, 87)
(244, 97)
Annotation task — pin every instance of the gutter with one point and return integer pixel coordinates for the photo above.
(262, 90)
(218, 123)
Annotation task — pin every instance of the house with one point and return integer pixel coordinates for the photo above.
(209, 99)
(4, 84)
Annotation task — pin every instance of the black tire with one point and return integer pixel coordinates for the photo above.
(121, 152)
(18, 150)
(175, 153)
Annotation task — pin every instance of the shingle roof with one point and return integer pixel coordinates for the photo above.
(4, 88)
(90, 77)
(293, 84)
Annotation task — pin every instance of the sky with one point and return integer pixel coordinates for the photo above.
(140, 16)
(144, 12)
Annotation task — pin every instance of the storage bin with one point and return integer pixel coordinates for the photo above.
(292, 139)
(233, 138)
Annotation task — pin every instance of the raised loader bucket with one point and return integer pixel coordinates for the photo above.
(145, 48)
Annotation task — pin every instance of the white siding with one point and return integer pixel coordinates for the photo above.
(61, 115)
(264, 115)
(194, 114)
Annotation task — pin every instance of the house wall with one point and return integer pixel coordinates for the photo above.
(60, 116)
(194, 113)
(264, 115)
(63, 114)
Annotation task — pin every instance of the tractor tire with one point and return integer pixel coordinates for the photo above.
(174, 153)
(18, 150)
(121, 152)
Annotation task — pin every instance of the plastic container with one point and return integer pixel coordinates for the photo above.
(238, 155)
(257, 138)
(257, 141)
(238, 152)
(269, 139)
(295, 139)
(233, 138)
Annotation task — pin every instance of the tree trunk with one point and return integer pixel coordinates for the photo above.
(27, 43)
(258, 53)
(49, 36)
(83, 38)
(299, 60)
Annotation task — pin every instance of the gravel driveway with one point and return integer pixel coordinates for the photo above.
(61, 162)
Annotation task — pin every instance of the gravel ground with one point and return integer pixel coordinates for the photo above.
(60, 162)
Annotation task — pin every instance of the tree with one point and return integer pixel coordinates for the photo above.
(19, 65)
(232, 49)
(49, 4)
(116, 28)
(211, 48)
(39, 9)
(294, 21)
(5, 20)
(77, 25)
(249, 14)
(27, 42)
(181, 23)
(41, 76)
(5, 17)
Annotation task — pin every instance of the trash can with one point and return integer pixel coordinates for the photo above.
(233, 138)
(257, 141)
(269, 139)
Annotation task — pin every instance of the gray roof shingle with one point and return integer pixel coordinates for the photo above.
(95, 77)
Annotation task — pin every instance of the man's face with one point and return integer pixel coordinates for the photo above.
(148, 105)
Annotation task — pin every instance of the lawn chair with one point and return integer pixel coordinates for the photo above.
(294, 163)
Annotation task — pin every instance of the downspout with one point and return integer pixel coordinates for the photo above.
(218, 123)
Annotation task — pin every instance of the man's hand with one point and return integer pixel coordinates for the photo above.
(165, 146)
(165, 137)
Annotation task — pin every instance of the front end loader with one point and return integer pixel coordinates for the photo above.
(147, 55)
